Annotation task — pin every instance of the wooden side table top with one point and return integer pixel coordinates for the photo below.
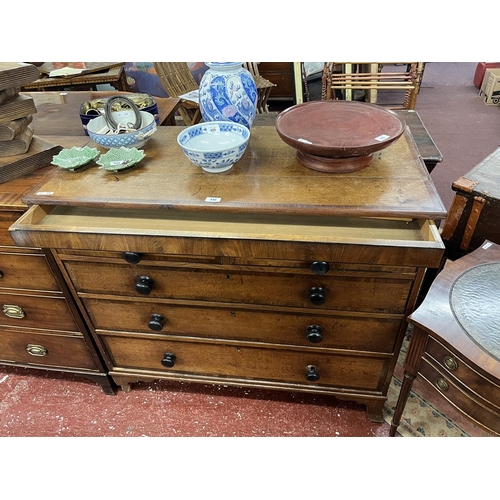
(426, 145)
(58, 114)
(267, 179)
(115, 76)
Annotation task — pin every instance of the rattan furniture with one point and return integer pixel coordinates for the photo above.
(400, 88)
(177, 80)
(455, 343)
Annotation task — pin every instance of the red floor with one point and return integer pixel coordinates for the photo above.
(39, 403)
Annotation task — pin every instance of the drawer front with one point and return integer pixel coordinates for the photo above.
(34, 311)
(455, 367)
(462, 399)
(246, 362)
(359, 292)
(6, 220)
(45, 350)
(26, 271)
(376, 334)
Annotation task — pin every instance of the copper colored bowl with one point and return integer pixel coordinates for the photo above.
(338, 136)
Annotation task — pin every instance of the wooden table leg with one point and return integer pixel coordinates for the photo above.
(413, 358)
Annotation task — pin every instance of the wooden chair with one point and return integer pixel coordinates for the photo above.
(177, 80)
(403, 86)
(263, 85)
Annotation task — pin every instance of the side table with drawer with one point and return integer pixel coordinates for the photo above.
(270, 275)
(455, 343)
(40, 325)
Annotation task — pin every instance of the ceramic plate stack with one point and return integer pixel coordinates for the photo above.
(20, 151)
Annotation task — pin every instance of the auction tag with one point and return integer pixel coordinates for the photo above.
(45, 193)
(211, 199)
(382, 137)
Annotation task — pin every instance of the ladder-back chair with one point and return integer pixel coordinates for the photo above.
(177, 80)
(263, 85)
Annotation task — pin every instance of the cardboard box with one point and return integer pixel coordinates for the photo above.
(481, 70)
(490, 88)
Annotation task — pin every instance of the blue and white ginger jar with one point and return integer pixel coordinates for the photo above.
(228, 93)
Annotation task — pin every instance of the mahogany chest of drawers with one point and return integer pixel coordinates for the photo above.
(270, 275)
(40, 325)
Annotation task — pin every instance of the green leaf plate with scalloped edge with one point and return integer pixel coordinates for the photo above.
(120, 158)
(76, 157)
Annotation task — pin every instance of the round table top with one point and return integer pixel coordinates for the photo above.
(339, 129)
(475, 303)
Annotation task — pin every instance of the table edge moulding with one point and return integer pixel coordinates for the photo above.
(269, 275)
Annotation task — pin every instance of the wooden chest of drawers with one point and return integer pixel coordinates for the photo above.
(40, 326)
(300, 297)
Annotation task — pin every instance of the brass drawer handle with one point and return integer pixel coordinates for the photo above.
(450, 363)
(36, 350)
(442, 385)
(13, 311)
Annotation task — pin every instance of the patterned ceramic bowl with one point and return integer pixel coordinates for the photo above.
(95, 107)
(99, 132)
(214, 146)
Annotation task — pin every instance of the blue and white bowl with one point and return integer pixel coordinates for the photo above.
(99, 132)
(214, 146)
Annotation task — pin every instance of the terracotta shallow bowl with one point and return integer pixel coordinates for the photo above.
(338, 136)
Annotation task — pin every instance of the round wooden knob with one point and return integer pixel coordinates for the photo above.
(317, 296)
(314, 334)
(320, 267)
(312, 374)
(155, 323)
(144, 285)
(168, 360)
(132, 257)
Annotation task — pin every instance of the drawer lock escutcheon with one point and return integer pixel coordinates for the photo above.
(312, 374)
(168, 360)
(442, 385)
(36, 350)
(13, 311)
(450, 363)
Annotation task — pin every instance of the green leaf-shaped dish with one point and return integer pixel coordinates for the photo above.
(120, 158)
(75, 157)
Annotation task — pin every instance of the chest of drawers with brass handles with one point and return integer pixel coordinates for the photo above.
(40, 326)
